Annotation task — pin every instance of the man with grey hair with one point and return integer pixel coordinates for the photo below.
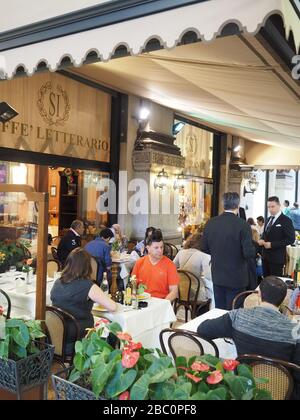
(227, 238)
(70, 241)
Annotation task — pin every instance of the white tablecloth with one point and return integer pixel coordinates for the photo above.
(23, 300)
(226, 350)
(145, 324)
(294, 255)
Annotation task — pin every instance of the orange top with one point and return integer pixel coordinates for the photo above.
(157, 277)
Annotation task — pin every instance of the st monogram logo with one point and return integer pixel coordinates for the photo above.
(53, 104)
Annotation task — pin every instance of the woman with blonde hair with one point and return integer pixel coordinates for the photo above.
(192, 259)
(75, 292)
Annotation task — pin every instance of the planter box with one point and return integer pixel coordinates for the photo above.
(65, 390)
(20, 376)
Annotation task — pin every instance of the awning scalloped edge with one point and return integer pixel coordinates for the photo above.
(134, 35)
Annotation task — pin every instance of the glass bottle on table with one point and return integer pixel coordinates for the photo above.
(134, 292)
(104, 285)
(128, 293)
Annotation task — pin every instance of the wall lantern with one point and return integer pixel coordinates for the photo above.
(161, 181)
(179, 182)
(251, 185)
(7, 112)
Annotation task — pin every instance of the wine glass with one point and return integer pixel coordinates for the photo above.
(12, 270)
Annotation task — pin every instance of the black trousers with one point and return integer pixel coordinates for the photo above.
(271, 269)
(224, 296)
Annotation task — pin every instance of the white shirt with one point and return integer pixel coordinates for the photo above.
(74, 231)
(274, 220)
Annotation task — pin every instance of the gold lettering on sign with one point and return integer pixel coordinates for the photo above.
(53, 104)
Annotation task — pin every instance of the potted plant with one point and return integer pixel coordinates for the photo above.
(12, 253)
(132, 372)
(25, 362)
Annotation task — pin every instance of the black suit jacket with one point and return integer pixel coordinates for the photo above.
(69, 242)
(280, 235)
(228, 240)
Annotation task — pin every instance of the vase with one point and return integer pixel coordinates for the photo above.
(19, 376)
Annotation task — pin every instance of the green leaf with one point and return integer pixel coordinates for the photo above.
(79, 362)
(78, 347)
(262, 395)
(21, 336)
(261, 381)
(162, 391)
(140, 389)
(74, 376)
(162, 376)
(100, 376)
(199, 396)
(181, 361)
(218, 394)
(203, 387)
(238, 385)
(244, 370)
(159, 364)
(121, 381)
(182, 392)
(14, 323)
(114, 328)
(248, 396)
(209, 360)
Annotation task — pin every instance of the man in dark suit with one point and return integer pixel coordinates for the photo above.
(278, 234)
(228, 240)
(70, 241)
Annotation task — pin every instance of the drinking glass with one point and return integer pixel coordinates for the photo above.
(12, 271)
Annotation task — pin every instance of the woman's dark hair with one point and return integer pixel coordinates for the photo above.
(194, 241)
(260, 219)
(106, 234)
(155, 237)
(273, 290)
(148, 230)
(251, 222)
(78, 266)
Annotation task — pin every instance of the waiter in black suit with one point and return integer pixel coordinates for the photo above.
(228, 240)
(70, 241)
(278, 234)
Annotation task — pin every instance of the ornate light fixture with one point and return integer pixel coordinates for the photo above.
(179, 182)
(161, 181)
(251, 185)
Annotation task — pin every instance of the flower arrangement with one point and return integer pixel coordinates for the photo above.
(135, 373)
(12, 253)
(70, 173)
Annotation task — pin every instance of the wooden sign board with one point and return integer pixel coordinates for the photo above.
(57, 116)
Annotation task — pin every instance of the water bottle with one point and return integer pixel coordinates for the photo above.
(104, 285)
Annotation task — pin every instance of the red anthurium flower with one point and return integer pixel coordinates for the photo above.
(200, 367)
(215, 378)
(133, 346)
(182, 368)
(124, 396)
(193, 377)
(130, 359)
(124, 336)
(1, 310)
(101, 321)
(230, 365)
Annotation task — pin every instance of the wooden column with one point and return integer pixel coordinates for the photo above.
(41, 178)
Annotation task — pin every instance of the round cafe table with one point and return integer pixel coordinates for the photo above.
(293, 253)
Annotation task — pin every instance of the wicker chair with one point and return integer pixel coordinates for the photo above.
(52, 267)
(94, 264)
(251, 299)
(5, 303)
(168, 250)
(188, 291)
(57, 321)
(278, 372)
(186, 343)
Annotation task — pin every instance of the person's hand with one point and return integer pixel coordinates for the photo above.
(261, 242)
(267, 245)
